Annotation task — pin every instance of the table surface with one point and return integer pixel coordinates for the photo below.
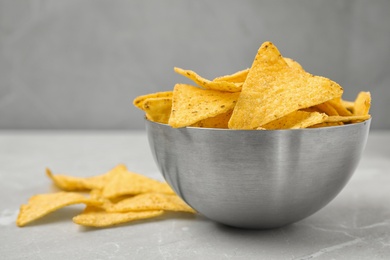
(355, 225)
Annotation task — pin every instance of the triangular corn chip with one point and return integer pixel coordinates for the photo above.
(158, 109)
(139, 101)
(208, 84)
(326, 108)
(237, 77)
(151, 201)
(348, 105)
(295, 120)
(43, 204)
(219, 121)
(122, 182)
(362, 104)
(191, 104)
(98, 217)
(346, 119)
(273, 89)
(72, 183)
(240, 76)
(337, 104)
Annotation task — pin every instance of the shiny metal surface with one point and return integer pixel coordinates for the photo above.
(257, 179)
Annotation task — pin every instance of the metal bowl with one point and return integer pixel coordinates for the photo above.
(257, 178)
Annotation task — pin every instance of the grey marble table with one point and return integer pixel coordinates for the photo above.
(355, 225)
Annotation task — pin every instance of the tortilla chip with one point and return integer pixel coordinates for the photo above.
(362, 104)
(327, 108)
(123, 182)
(151, 201)
(273, 89)
(219, 121)
(43, 204)
(348, 105)
(337, 104)
(158, 109)
(97, 217)
(71, 183)
(240, 76)
(347, 119)
(207, 84)
(296, 120)
(139, 101)
(237, 77)
(191, 104)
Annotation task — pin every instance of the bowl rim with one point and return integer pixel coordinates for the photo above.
(263, 130)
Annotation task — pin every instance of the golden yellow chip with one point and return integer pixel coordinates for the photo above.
(139, 101)
(191, 104)
(43, 204)
(219, 121)
(158, 109)
(240, 76)
(362, 104)
(71, 183)
(348, 105)
(273, 89)
(208, 84)
(123, 182)
(327, 108)
(97, 217)
(151, 201)
(295, 120)
(237, 77)
(345, 119)
(337, 104)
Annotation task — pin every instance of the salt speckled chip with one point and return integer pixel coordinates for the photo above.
(98, 217)
(226, 86)
(43, 204)
(191, 104)
(151, 201)
(273, 89)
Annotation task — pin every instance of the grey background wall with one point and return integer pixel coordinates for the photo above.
(79, 64)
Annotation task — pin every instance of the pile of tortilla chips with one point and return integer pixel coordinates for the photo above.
(275, 93)
(116, 197)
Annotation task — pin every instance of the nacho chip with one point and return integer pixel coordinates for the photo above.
(151, 201)
(191, 104)
(97, 217)
(347, 119)
(71, 183)
(295, 120)
(123, 182)
(362, 104)
(139, 101)
(337, 104)
(219, 121)
(327, 108)
(158, 109)
(273, 89)
(240, 76)
(237, 77)
(207, 84)
(348, 105)
(43, 204)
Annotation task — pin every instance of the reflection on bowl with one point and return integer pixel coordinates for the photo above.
(256, 178)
